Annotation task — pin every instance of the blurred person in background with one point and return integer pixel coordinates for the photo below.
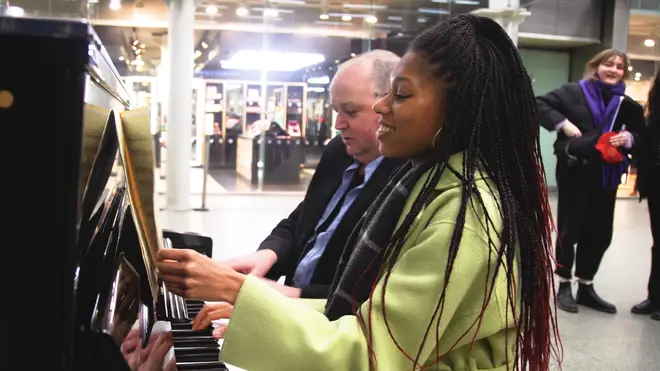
(648, 185)
(597, 126)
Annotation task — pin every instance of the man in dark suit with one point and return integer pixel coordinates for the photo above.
(306, 246)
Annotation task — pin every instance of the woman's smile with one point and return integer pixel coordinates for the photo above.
(384, 129)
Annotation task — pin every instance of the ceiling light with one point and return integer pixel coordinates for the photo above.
(142, 46)
(331, 23)
(365, 6)
(319, 80)
(432, 11)
(458, 2)
(630, 68)
(371, 19)
(278, 10)
(346, 18)
(324, 16)
(242, 11)
(271, 61)
(649, 43)
(270, 13)
(297, 2)
(211, 9)
(121, 58)
(115, 4)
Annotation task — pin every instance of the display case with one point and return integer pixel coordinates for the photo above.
(239, 112)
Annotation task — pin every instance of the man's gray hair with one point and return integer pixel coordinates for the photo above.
(381, 62)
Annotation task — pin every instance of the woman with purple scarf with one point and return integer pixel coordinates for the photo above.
(598, 128)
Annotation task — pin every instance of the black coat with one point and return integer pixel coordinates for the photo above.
(648, 164)
(290, 236)
(568, 102)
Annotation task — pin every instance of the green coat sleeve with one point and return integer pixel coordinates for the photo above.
(317, 304)
(270, 332)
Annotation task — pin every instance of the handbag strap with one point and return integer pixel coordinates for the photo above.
(567, 147)
(616, 114)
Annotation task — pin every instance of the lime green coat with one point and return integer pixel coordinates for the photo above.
(271, 332)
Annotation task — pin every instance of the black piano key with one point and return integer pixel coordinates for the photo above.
(184, 333)
(182, 325)
(201, 366)
(196, 354)
(196, 341)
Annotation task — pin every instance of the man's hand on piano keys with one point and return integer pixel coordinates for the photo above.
(257, 263)
(192, 275)
(289, 291)
(213, 312)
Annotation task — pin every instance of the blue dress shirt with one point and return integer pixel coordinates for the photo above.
(307, 266)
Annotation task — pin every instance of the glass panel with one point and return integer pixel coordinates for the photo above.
(275, 103)
(643, 73)
(72, 9)
(294, 111)
(252, 108)
(235, 109)
(214, 108)
(644, 47)
(646, 5)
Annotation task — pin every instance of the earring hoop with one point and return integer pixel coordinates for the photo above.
(435, 137)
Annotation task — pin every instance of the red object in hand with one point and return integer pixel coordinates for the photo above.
(609, 153)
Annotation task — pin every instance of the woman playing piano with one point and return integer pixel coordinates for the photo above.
(452, 269)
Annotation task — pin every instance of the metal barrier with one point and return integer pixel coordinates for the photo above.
(206, 154)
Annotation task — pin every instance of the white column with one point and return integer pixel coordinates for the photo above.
(507, 13)
(179, 105)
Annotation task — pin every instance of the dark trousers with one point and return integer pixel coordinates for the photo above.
(585, 218)
(654, 212)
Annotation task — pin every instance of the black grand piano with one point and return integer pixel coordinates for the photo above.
(57, 82)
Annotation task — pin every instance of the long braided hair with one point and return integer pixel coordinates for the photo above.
(491, 117)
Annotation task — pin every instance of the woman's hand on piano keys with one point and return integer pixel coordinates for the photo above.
(192, 275)
(213, 312)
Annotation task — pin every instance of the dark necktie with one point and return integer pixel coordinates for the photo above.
(358, 179)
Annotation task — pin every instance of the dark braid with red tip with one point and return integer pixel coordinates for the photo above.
(491, 117)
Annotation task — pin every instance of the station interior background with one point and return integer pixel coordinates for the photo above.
(301, 43)
(555, 41)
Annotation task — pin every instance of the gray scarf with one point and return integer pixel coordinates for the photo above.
(365, 250)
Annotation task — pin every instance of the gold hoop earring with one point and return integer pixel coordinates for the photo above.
(435, 137)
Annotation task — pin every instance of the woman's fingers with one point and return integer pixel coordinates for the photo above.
(220, 332)
(210, 313)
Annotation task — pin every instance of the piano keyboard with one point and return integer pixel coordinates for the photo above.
(193, 350)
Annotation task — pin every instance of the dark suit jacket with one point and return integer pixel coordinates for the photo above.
(290, 236)
(568, 102)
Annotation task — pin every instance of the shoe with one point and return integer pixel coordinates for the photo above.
(565, 300)
(587, 296)
(645, 307)
(656, 315)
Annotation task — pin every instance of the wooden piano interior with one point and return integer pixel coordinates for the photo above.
(62, 101)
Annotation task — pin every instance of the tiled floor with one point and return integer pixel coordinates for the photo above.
(591, 341)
